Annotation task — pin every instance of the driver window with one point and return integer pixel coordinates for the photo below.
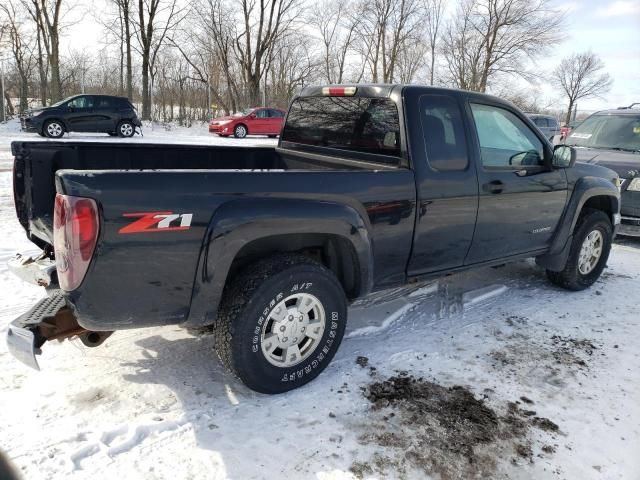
(80, 102)
(505, 140)
(262, 113)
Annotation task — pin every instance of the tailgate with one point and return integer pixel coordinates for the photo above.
(34, 190)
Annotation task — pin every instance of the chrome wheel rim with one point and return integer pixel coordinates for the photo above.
(54, 129)
(241, 131)
(590, 252)
(126, 129)
(292, 330)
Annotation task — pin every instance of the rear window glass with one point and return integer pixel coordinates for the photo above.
(358, 124)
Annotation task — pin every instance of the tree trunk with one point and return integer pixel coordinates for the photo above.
(127, 32)
(54, 63)
(146, 100)
(253, 89)
(42, 73)
(569, 111)
(24, 88)
(433, 63)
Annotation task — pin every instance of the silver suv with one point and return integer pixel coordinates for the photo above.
(547, 124)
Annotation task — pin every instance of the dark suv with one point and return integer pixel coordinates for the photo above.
(612, 138)
(84, 113)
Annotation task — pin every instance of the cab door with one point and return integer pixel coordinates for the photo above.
(80, 115)
(446, 183)
(521, 197)
(276, 118)
(105, 114)
(260, 124)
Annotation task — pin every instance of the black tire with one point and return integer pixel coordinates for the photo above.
(571, 278)
(240, 131)
(253, 295)
(126, 129)
(272, 136)
(53, 129)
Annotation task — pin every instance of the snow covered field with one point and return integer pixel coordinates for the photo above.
(550, 385)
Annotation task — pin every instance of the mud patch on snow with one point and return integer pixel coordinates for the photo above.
(558, 352)
(442, 431)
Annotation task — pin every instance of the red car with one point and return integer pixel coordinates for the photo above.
(253, 121)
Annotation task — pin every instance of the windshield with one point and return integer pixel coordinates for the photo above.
(243, 113)
(617, 132)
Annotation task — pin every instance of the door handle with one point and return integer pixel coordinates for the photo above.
(494, 186)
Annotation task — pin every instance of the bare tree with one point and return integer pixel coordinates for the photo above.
(385, 28)
(20, 49)
(263, 23)
(580, 76)
(47, 16)
(434, 12)
(488, 38)
(155, 19)
(215, 32)
(337, 33)
(120, 28)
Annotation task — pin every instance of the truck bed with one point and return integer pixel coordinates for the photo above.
(36, 164)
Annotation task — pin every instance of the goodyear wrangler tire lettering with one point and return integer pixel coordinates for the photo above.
(280, 323)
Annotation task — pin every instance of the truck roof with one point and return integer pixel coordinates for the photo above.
(386, 89)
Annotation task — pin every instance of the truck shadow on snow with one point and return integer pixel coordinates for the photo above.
(398, 399)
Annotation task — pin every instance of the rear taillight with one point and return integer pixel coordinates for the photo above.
(75, 233)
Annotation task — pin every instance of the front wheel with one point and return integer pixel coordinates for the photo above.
(588, 254)
(280, 323)
(53, 129)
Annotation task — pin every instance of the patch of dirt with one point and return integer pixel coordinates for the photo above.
(362, 361)
(549, 355)
(441, 431)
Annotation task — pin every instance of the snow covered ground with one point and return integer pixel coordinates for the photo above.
(554, 378)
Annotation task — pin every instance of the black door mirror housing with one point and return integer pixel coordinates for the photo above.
(564, 156)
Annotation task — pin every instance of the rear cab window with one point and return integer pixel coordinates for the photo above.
(443, 133)
(365, 127)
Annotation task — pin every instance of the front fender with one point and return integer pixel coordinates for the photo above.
(584, 189)
(239, 222)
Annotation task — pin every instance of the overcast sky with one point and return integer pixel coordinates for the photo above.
(610, 28)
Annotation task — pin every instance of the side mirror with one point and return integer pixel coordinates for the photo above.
(252, 115)
(564, 156)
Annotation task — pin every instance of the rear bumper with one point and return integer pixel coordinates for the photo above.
(27, 333)
(28, 125)
(36, 270)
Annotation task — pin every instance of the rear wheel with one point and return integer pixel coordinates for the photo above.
(126, 129)
(240, 131)
(53, 129)
(589, 252)
(280, 323)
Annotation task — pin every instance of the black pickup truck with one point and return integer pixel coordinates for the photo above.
(370, 187)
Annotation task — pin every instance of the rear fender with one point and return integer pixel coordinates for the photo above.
(240, 222)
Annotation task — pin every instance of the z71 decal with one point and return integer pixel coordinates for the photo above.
(157, 222)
